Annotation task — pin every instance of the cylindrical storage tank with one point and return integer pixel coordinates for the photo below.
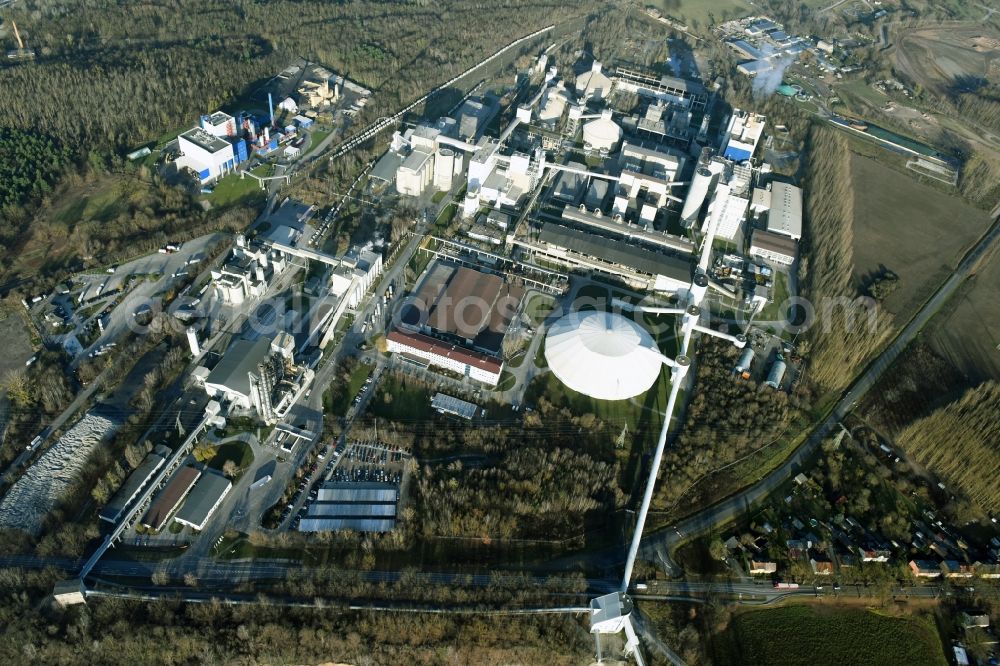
(696, 196)
(746, 358)
(444, 169)
(471, 203)
(776, 374)
(602, 133)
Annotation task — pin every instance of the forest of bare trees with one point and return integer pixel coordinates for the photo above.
(114, 631)
(847, 329)
(134, 71)
(726, 419)
(958, 442)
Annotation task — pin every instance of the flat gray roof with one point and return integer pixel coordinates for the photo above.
(351, 510)
(242, 357)
(362, 507)
(386, 167)
(355, 524)
(452, 405)
(113, 510)
(415, 160)
(615, 252)
(785, 216)
(204, 140)
(203, 497)
(772, 242)
(368, 491)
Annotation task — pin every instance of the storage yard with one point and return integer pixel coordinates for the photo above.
(36, 493)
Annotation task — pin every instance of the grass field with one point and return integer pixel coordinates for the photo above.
(967, 330)
(406, 403)
(704, 13)
(340, 406)
(237, 451)
(539, 307)
(773, 311)
(233, 190)
(909, 228)
(18, 345)
(808, 636)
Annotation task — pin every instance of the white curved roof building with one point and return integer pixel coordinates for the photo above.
(602, 132)
(603, 355)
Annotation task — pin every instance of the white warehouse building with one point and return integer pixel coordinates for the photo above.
(209, 156)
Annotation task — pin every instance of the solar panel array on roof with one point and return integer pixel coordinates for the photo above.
(357, 492)
(363, 507)
(341, 510)
(356, 524)
(452, 405)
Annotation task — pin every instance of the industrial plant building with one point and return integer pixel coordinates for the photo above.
(633, 264)
(603, 355)
(135, 484)
(742, 134)
(782, 202)
(773, 248)
(203, 500)
(475, 365)
(167, 500)
(355, 275)
(258, 378)
(594, 83)
(247, 271)
(682, 92)
(208, 155)
(463, 306)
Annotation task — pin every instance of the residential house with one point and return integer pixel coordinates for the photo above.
(821, 567)
(872, 554)
(759, 568)
(925, 568)
(956, 569)
(988, 570)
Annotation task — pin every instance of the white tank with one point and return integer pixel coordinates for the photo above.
(471, 203)
(444, 169)
(696, 196)
(746, 358)
(602, 133)
(776, 374)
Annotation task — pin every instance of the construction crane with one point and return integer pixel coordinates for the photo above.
(20, 53)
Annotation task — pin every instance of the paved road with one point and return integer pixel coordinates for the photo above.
(659, 544)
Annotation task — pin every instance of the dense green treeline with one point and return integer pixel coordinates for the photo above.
(30, 165)
(846, 330)
(959, 442)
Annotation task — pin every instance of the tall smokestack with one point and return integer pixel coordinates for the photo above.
(270, 107)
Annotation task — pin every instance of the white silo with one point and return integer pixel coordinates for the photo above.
(444, 169)
(602, 133)
(776, 374)
(746, 358)
(700, 184)
(471, 203)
